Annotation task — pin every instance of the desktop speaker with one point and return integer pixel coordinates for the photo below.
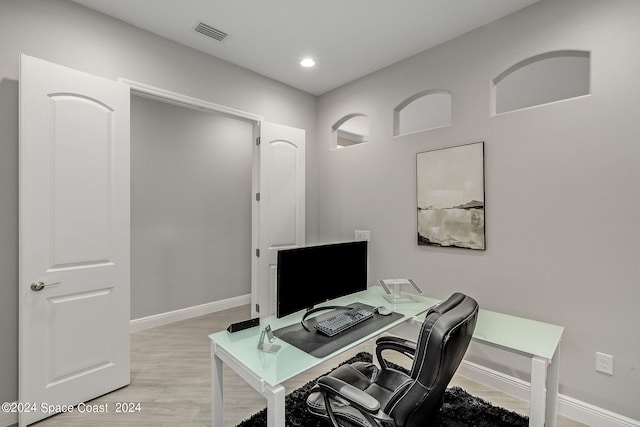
(245, 324)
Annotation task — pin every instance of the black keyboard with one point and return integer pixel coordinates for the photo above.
(342, 321)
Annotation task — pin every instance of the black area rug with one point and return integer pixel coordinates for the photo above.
(460, 409)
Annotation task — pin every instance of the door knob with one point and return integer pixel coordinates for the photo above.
(38, 286)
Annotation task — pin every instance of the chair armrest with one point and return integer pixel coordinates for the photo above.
(351, 394)
(401, 345)
(368, 406)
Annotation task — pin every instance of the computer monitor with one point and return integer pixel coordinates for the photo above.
(309, 275)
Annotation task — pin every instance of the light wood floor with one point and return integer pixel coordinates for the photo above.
(170, 379)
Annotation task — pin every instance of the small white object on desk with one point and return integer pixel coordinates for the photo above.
(385, 311)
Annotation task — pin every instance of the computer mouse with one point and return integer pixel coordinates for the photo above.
(385, 311)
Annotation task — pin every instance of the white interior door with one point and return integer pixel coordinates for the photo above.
(74, 236)
(281, 207)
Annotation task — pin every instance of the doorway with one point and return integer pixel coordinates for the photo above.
(191, 178)
(274, 207)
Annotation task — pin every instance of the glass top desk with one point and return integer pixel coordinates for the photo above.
(538, 340)
(265, 372)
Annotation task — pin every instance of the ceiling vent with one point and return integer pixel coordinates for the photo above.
(209, 31)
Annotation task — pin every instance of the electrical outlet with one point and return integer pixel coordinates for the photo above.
(604, 363)
(363, 235)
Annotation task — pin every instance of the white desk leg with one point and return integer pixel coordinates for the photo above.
(538, 391)
(275, 407)
(552, 390)
(217, 396)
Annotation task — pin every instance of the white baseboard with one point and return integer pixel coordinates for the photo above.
(187, 313)
(567, 406)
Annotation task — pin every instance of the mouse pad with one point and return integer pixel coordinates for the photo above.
(319, 345)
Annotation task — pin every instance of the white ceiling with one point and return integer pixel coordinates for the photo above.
(347, 38)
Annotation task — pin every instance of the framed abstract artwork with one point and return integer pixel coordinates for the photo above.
(450, 187)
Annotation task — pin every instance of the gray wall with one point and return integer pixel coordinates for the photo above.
(561, 187)
(62, 32)
(190, 207)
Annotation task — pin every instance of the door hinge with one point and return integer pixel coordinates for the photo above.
(258, 253)
(257, 308)
(258, 141)
(257, 197)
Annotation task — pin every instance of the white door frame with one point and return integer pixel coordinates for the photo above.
(175, 98)
(162, 95)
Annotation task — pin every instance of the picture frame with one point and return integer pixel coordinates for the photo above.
(451, 197)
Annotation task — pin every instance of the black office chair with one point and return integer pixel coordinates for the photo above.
(362, 395)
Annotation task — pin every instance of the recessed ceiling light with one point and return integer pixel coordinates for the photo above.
(308, 62)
